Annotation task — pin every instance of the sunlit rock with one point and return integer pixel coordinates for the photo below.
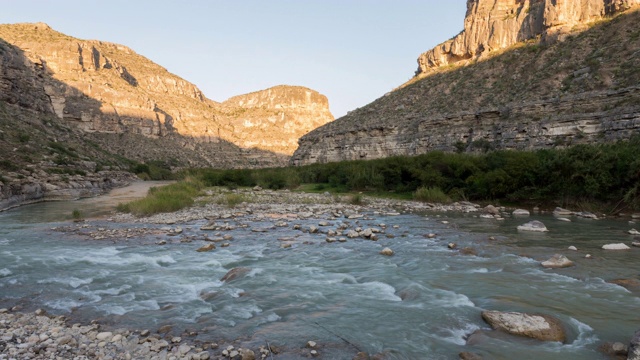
(541, 327)
(534, 225)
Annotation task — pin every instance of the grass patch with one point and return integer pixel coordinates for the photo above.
(431, 194)
(356, 199)
(231, 200)
(166, 198)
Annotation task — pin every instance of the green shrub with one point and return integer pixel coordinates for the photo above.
(76, 214)
(8, 165)
(166, 198)
(431, 194)
(23, 138)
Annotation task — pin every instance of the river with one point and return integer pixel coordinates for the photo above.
(421, 303)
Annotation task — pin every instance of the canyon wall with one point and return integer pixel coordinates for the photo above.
(582, 87)
(106, 88)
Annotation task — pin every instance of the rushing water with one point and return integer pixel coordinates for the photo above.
(421, 303)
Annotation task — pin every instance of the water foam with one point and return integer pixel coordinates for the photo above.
(459, 336)
(72, 281)
(450, 299)
(5, 272)
(380, 290)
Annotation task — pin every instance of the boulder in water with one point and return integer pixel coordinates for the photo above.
(207, 247)
(235, 273)
(490, 209)
(557, 261)
(534, 225)
(386, 252)
(619, 246)
(562, 212)
(634, 232)
(541, 327)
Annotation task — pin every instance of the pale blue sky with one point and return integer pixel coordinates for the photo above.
(353, 51)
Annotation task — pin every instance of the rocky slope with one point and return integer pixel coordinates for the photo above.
(75, 115)
(106, 88)
(506, 88)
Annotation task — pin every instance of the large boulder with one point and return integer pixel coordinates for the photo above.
(490, 209)
(534, 225)
(634, 347)
(541, 327)
(557, 261)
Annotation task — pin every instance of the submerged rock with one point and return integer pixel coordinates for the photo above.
(235, 273)
(387, 252)
(557, 261)
(534, 225)
(207, 247)
(541, 327)
(619, 246)
(469, 356)
(634, 232)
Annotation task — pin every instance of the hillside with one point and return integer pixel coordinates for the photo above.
(106, 88)
(75, 115)
(581, 85)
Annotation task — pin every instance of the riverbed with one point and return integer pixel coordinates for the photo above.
(421, 303)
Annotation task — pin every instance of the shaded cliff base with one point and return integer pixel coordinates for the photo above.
(530, 96)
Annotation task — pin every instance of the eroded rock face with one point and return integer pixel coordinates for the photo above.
(541, 327)
(107, 88)
(492, 25)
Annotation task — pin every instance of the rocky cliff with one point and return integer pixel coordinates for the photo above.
(582, 87)
(492, 25)
(105, 88)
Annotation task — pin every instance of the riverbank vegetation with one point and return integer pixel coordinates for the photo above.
(606, 176)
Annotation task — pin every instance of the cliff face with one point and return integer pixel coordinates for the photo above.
(276, 118)
(105, 88)
(582, 88)
(492, 25)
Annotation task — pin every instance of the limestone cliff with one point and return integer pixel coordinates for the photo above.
(583, 88)
(492, 25)
(103, 88)
(276, 118)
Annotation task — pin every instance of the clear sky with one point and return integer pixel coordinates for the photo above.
(352, 51)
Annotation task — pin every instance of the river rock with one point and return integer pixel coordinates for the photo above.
(207, 247)
(235, 273)
(562, 212)
(586, 215)
(469, 356)
(572, 248)
(619, 246)
(557, 261)
(246, 354)
(534, 225)
(563, 219)
(634, 232)
(104, 336)
(311, 344)
(490, 209)
(541, 327)
(520, 212)
(386, 252)
(634, 347)
(352, 234)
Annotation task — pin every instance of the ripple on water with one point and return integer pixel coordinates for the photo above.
(72, 281)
